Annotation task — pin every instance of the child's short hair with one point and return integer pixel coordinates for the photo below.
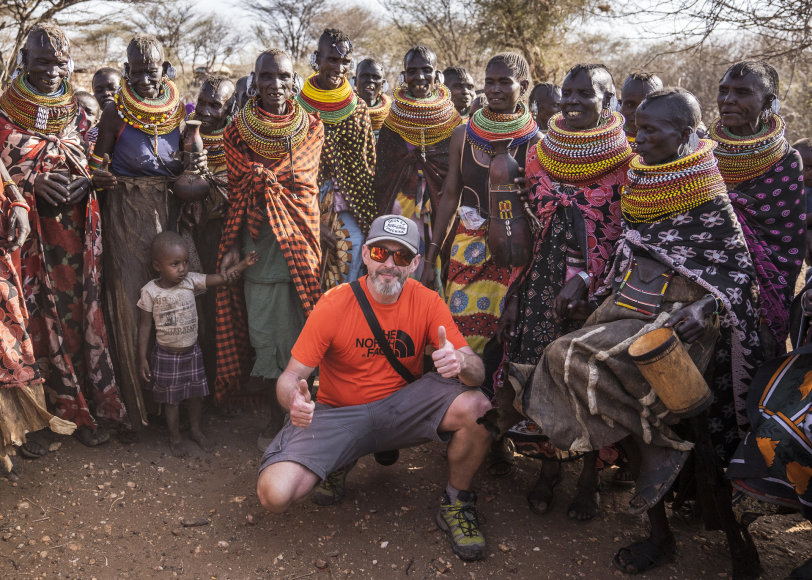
(163, 241)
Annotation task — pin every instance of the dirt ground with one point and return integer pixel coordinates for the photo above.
(124, 511)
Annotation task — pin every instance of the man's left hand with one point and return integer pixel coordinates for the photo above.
(447, 360)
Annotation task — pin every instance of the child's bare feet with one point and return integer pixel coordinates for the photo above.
(178, 447)
(200, 439)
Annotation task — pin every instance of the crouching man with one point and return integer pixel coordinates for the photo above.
(365, 405)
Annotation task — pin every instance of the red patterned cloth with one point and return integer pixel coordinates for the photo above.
(61, 268)
(259, 190)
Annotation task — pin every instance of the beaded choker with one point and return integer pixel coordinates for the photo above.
(47, 114)
(333, 106)
(582, 157)
(658, 192)
(379, 112)
(486, 126)
(213, 144)
(744, 158)
(423, 122)
(158, 116)
(272, 136)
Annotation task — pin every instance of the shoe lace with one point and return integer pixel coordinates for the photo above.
(467, 519)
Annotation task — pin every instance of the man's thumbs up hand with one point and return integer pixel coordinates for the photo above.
(447, 360)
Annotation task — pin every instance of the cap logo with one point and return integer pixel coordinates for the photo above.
(395, 226)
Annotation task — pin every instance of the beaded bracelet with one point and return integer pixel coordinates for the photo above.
(21, 204)
(716, 301)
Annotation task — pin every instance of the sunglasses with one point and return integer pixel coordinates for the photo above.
(400, 257)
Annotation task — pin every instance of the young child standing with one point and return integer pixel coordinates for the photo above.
(176, 372)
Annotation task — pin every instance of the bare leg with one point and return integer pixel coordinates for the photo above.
(585, 504)
(281, 484)
(195, 413)
(540, 498)
(470, 441)
(656, 550)
(173, 422)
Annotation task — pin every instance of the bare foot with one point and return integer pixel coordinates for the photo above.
(178, 448)
(585, 505)
(540, 498)
(200, 439)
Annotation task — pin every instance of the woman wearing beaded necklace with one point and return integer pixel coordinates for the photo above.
(140, 133)
(371, 86)
(413, 145)
(41, 144)
(575, 174)
(476, 285)
(348, 158)
(764, 178)
(273, 149)
(682, 263)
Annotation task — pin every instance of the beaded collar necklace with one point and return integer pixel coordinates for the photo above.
(744, 158)
(581, 158)
(658, 192)
(213, 144)
(423, 122)
(272, 136)
(333, 106)
(159, 116)
(379, 111)
(28, 109)
(485, 126)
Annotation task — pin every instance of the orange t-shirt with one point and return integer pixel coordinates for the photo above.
(352, 369)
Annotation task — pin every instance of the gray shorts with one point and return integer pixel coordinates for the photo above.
(340, 435)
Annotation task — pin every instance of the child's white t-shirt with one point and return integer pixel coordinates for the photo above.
(173, 310)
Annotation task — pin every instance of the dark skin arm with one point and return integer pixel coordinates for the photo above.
(110, 126)
(144, 328)
(571, 301)
(233, 272)
(449, 201)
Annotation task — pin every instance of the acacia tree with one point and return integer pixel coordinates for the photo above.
(288, 23)
(18, 17)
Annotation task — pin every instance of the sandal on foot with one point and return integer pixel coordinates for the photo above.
(623, 476)
(643, 555)
(501, 462)
(90, 437)
(660, 468)
(33, 449)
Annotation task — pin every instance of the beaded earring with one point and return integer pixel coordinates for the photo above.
(689, 146)
(401, 79)
(70, 66)
(298, 83)
(439, 78)
(251, 91)
(313, 63)
(170, 72)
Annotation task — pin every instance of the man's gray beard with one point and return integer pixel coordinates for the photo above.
(392, 288)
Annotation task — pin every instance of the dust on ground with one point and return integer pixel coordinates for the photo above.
(134, 511)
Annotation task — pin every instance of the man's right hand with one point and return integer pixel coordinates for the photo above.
(52, 187)
(301, 406)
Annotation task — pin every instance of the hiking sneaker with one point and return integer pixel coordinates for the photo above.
(332, 488)
(459, 520)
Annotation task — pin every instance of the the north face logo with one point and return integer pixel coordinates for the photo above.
(401, 343)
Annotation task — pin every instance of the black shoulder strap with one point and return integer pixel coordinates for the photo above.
(377, 332)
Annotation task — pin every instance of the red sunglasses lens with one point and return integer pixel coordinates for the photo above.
(401, 257)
